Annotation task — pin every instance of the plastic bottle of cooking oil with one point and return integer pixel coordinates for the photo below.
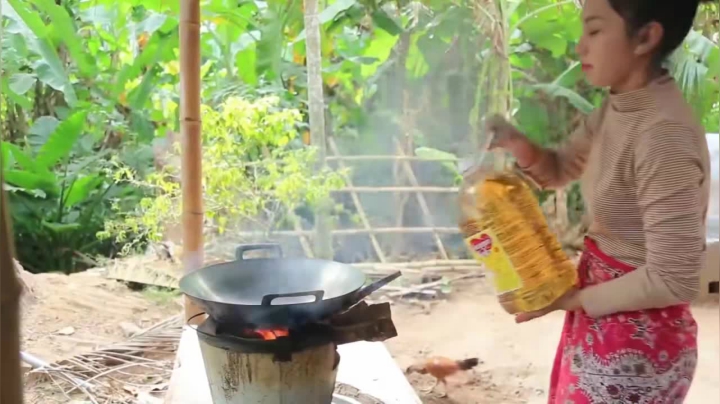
(507, 232)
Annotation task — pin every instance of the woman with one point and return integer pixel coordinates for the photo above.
(642, 158)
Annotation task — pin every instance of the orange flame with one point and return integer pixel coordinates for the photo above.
(272, 334)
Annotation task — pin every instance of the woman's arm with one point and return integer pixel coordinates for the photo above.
(670, 175)
(554, 168)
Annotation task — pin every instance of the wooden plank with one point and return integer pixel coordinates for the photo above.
(367, 366)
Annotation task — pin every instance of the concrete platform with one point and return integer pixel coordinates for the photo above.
(367, 366)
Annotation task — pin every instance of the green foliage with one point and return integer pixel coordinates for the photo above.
(58, 196)
(264, 193)
(548, 89)
(90, 90)
(76, 84)
(695, 66)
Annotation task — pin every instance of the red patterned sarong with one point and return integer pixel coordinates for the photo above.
(640, 357)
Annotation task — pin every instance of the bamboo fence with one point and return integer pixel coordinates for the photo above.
(366, 227)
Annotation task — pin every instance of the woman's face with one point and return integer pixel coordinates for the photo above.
(607, 53)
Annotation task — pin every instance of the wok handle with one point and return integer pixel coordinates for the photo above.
(267, 299)
(373, 287)
(241, 250)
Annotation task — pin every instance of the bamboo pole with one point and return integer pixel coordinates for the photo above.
(377, 190)
(304, 242)
(361, 158)
(398, 230)
(467, 263)
(358, 205)
(350, 232)
(191, 132)
(421, 200)
(494, 89)
(10, 292)
(437, 190)
(316, 108)
(369, 157)
(11, 388)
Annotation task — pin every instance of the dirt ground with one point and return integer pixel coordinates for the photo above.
(63, 316)
(67, 315)
(516, 359)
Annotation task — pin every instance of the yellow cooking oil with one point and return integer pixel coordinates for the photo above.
(506, 231)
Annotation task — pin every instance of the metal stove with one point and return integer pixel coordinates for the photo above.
(274, 324)
(299, 366)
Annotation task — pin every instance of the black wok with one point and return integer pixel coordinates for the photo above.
(276, 291)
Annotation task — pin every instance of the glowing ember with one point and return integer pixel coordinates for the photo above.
(270, 334)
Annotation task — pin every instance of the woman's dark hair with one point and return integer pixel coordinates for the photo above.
(675, 16)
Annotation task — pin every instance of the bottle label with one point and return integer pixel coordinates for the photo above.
(489, 251)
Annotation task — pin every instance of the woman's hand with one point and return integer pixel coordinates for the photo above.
(506, 136)
(570, 301)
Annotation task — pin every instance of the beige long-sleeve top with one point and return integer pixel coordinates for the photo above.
(644, 167)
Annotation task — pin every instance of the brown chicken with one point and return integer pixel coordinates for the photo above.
(440, 368)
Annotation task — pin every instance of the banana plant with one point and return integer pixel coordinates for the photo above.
(61, 57)
(695, 66)
(57, 197)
